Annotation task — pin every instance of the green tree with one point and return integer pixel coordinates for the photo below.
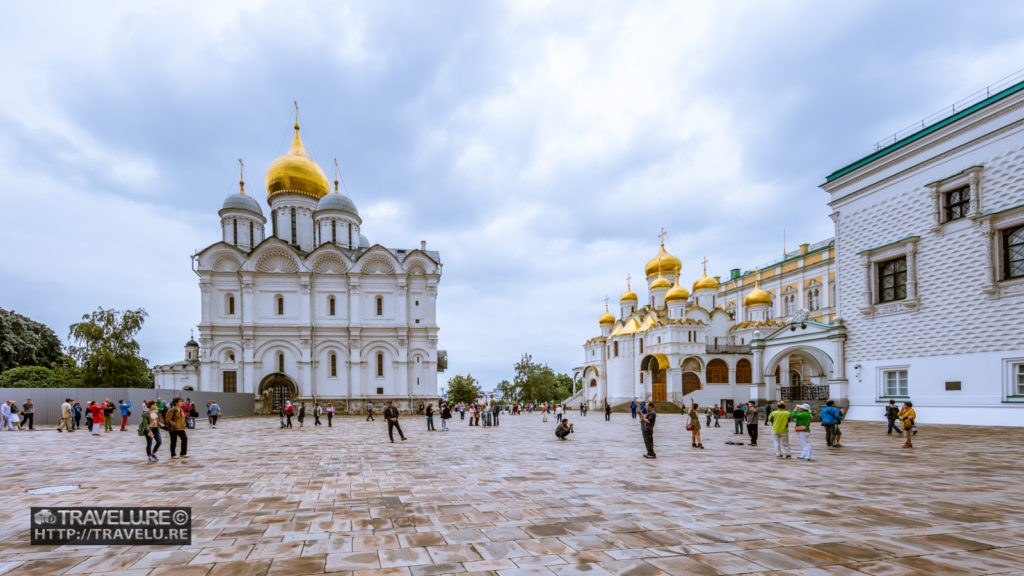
(24, 342)
(536, 382)
(106, 350)
(31, 377)
(462, 389)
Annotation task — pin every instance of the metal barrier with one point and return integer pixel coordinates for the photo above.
(47, 401)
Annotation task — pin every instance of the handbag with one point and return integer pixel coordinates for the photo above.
(801, 428)
(689, 427)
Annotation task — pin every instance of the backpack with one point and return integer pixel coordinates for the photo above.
(143, 429)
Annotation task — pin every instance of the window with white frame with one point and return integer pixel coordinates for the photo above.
(813, 298)
(957, 197)
(1018, 379)
(890, 275)
(895, 383)
(1013, 374)
(1013, 252)
(1005, 251)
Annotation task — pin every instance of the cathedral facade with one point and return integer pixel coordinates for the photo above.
(311, 310)
(762, 334)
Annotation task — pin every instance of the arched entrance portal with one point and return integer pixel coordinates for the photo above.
(276, 389)
(656, 364)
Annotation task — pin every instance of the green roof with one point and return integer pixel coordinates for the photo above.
(926, 131)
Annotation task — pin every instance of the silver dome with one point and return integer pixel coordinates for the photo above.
(337, 201)
(364, 242)
(242, 202)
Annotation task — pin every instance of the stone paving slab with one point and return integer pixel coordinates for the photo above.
(513, 500)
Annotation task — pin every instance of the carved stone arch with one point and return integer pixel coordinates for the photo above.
(226, 262)
(330, 264)
(277, 261)
(377, 265)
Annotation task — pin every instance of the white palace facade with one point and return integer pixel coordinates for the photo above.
(312, 310)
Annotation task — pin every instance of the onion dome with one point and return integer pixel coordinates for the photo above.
(677, 294)
(295, 172)
(364, 242)
(339, 202)
(661, 282)
(607, 317)
(663, 263)
(242, 201)
(192, 343)
(628, 294)
(706, 282)
(757, 297)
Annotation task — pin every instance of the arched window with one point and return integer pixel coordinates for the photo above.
(334, 365)
(280, 362)
(330, 306)
(334, 231)
(743, 372)
(718, 372)
(231, 305)
(295, 233)
(380, 365)
(616, 346)
(691, 383)
(280, 305)
(812, 299)
(380, 305)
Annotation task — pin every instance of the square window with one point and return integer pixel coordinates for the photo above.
(892, 279)
(957, 203)
(380, 390)
(896, 383)
(1019, 379)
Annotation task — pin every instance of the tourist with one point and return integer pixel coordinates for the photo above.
(108, 413)
(607, 412)
(544, 412)
(213, 412)
(161, 408)
(446, 414)
(750, 417)
(97, 417)
(583, 409)
(830, 419)
(737, 419)
(472, 412)
(302, 413)
(5, 417)
(391, 415)
(462, 411)
(77, 409)
(330, 413)
(559, 411)
(191, 413)
(497, 413)
(149, 426)
(632, 409)
(718, 414)
(125, 412)
(175, 421)
(420, 411)
(907, 418)
(892, 413)
(694, 425)
(647, 420)
(16, 417)
(643, 408)
(779, 419)
(476, 414)
(317, 411)
(369, 411)
(88, 416)
(802, 426)
(288, 411)
(28, 412)
(563, 429)
(708, 423)
(430, 418)
(280, 415)
(66, 412)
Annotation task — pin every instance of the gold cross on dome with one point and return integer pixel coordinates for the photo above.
(705, 263)
(606, 301)
(241, 175)
(662, 236)
(628, 278)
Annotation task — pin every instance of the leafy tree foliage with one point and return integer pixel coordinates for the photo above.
(24, 342)
(462, 389)
(106, 350)
(535, 382)
(31, 377)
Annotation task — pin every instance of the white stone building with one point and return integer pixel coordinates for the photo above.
(313, 310)
(762, 335)
(930, 252)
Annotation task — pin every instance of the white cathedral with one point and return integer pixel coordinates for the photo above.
(313, 311)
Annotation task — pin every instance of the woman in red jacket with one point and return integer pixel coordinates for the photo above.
(97, 417)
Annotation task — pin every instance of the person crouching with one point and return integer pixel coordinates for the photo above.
(563, 429)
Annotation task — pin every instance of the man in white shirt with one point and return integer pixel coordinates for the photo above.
(65, 416)
(5, 417)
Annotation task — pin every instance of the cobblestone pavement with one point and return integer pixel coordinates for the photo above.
(513, 500)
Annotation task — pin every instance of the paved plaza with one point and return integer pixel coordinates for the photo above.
(513, 500)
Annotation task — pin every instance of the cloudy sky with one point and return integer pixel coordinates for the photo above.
(540, 146)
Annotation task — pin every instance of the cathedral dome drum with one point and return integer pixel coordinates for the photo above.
(297, 173)
(663, 263)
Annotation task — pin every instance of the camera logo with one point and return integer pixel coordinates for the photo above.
(44, 516)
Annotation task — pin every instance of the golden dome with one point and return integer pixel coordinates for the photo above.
(607, 317)
(295, 172)
(628, 294)
(706, 282)
(677, 294)
(757, 297)
(663, 263)
(660, 283)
